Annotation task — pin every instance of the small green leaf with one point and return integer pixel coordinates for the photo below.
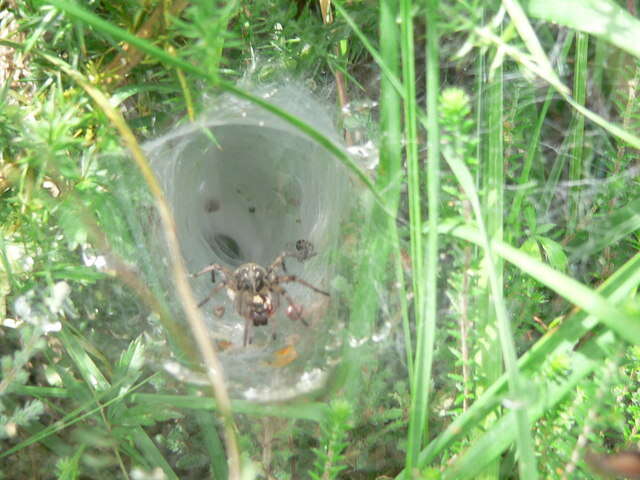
(128, 367)
(531, 248)
(70, 221)
(145, 415)
(554, 253)
(68, 468)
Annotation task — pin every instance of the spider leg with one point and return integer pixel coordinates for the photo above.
(294, 278)
(214, 268)
(279, 262)
(215, 290)
(272, 320)
(247, 327)
(300, 255)
(296, 309)
(304, 251)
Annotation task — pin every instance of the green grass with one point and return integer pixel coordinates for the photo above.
(496, 240)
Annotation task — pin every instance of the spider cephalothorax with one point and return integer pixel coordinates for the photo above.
(250, 276)
(256, 291)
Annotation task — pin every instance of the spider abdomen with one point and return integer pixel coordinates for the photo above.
(262, 308)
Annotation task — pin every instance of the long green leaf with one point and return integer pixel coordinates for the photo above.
(422, 367)
(602, 18)
(516, 386)
(558, 342)
(530, 38)
(576, 134)
(526, 61)
(544, 396)
(624, 324)
(308, 411)
(609, 229)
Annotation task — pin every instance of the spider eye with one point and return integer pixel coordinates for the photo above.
(259, 277)
(243, 280)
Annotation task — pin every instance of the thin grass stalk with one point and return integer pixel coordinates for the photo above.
(180, 274)
(515, 215)
(524, 441)
(455, 159)
(338, 74)
(433, 194)
(486, 349)
(212, 443)
(495, 442)
(493, 198)
(576, 135)
(379, 233)
(491, 174)
(560, 342)
(494, 211)
(77, 415)
(525, 61)
(184, 85)
(464, 321)
(390, 170)
(312, 411)
(558, 167)
(621, 158)
(503, 324)
(521, 22)
(421, 382)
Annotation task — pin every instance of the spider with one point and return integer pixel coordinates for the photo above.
(256, 290)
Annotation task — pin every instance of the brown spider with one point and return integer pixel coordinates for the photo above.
(256, 290)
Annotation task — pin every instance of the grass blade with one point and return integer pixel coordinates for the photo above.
(422, 371)
(492, 444)
(602, 18)
(528, 35)
(626, 325)
(516, 386)
(576, 132)
(558, 342)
